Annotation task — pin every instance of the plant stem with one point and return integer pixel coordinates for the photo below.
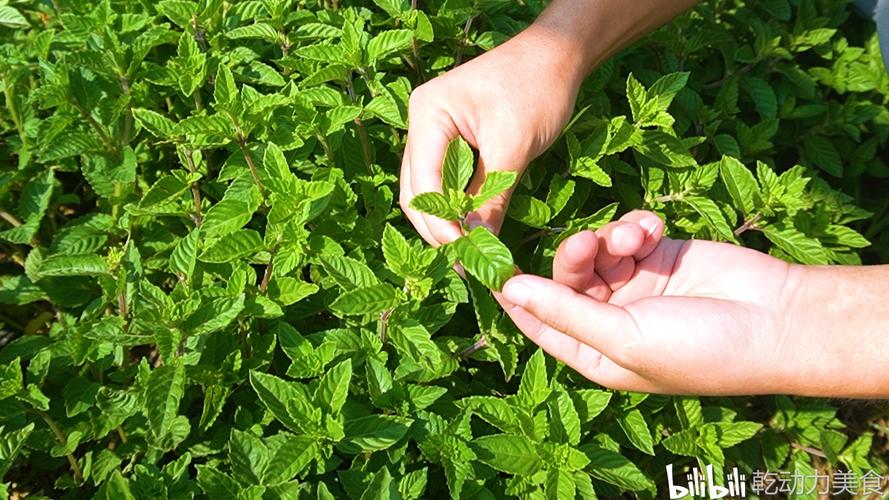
(242, 143)
(267, 275)
(327, 151)
(128, 121)
(199, 34)
(729, 76)
(533, 236)
(384, 324)
(750, 223)
(669, 197)
(462, 43)
(8, 217)
(415, 47)
(122, 305)
(479, 344)
(122, 434)
(103, 134)
(13, 112)
(195, 188)
(366, 149)
(60, 437)
(198, 102)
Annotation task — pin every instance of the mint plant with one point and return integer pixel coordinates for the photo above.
(208, 291)
(479, 251)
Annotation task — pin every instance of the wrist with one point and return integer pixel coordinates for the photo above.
(561, 52)
(834, 331)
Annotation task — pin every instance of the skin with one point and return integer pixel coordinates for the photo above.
(632, 310)
(626, 307)
(512, 102)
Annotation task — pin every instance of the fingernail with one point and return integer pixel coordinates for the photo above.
(460, 270)
(622, 233)
(517, 292)
(473, 220)
(650, 225)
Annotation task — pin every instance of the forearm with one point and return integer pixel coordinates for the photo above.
(584, 33)
(840, 316)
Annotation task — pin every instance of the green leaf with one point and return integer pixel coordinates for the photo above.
(530, 211)
(637, 97)
(366, 300)
(682, 442)
(534, 387)
(636, 429)
(285, 401)
(590, 403)
(613, 468)
(458, 166)
(589, 168)
(155, 123)
(348, 272)
(846, 236)
(184, 255)
(565, 420)
(397, 252)
(249, 457)
(224, 90)
(387, 43)
(73, 265)
(797, 245)
(214, 314)
(732, 433)
(334, 387)
(165, 389)
(290, 456)
(664, 149)
(763, 96)
(688, 409)
(435, 204)
(560, 192)
(484, 257)
(664, 90)
(372, 433)
(509, 453)
(496, 182)
(242, 243)
(559, 484)
(708, 209)
(216, 484)
(11, 443)
(226, 217)
(165, 190)
(261, 31)
(19, 290)
(12, 18)
(116, 487)
(740, 184)
(823, 154)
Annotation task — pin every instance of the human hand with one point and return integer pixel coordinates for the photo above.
(631, 310)
(510, 104)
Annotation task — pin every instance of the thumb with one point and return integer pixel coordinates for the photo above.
(605, 327)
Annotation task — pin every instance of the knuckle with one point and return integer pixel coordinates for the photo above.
(417, 97)
(404, 202)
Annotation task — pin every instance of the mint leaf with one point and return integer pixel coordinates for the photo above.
(484, 257)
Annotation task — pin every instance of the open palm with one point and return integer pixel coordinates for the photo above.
(631, 310)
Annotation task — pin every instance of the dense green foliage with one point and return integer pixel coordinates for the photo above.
(207, 289)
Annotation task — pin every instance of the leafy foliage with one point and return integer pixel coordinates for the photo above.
(206, 289)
